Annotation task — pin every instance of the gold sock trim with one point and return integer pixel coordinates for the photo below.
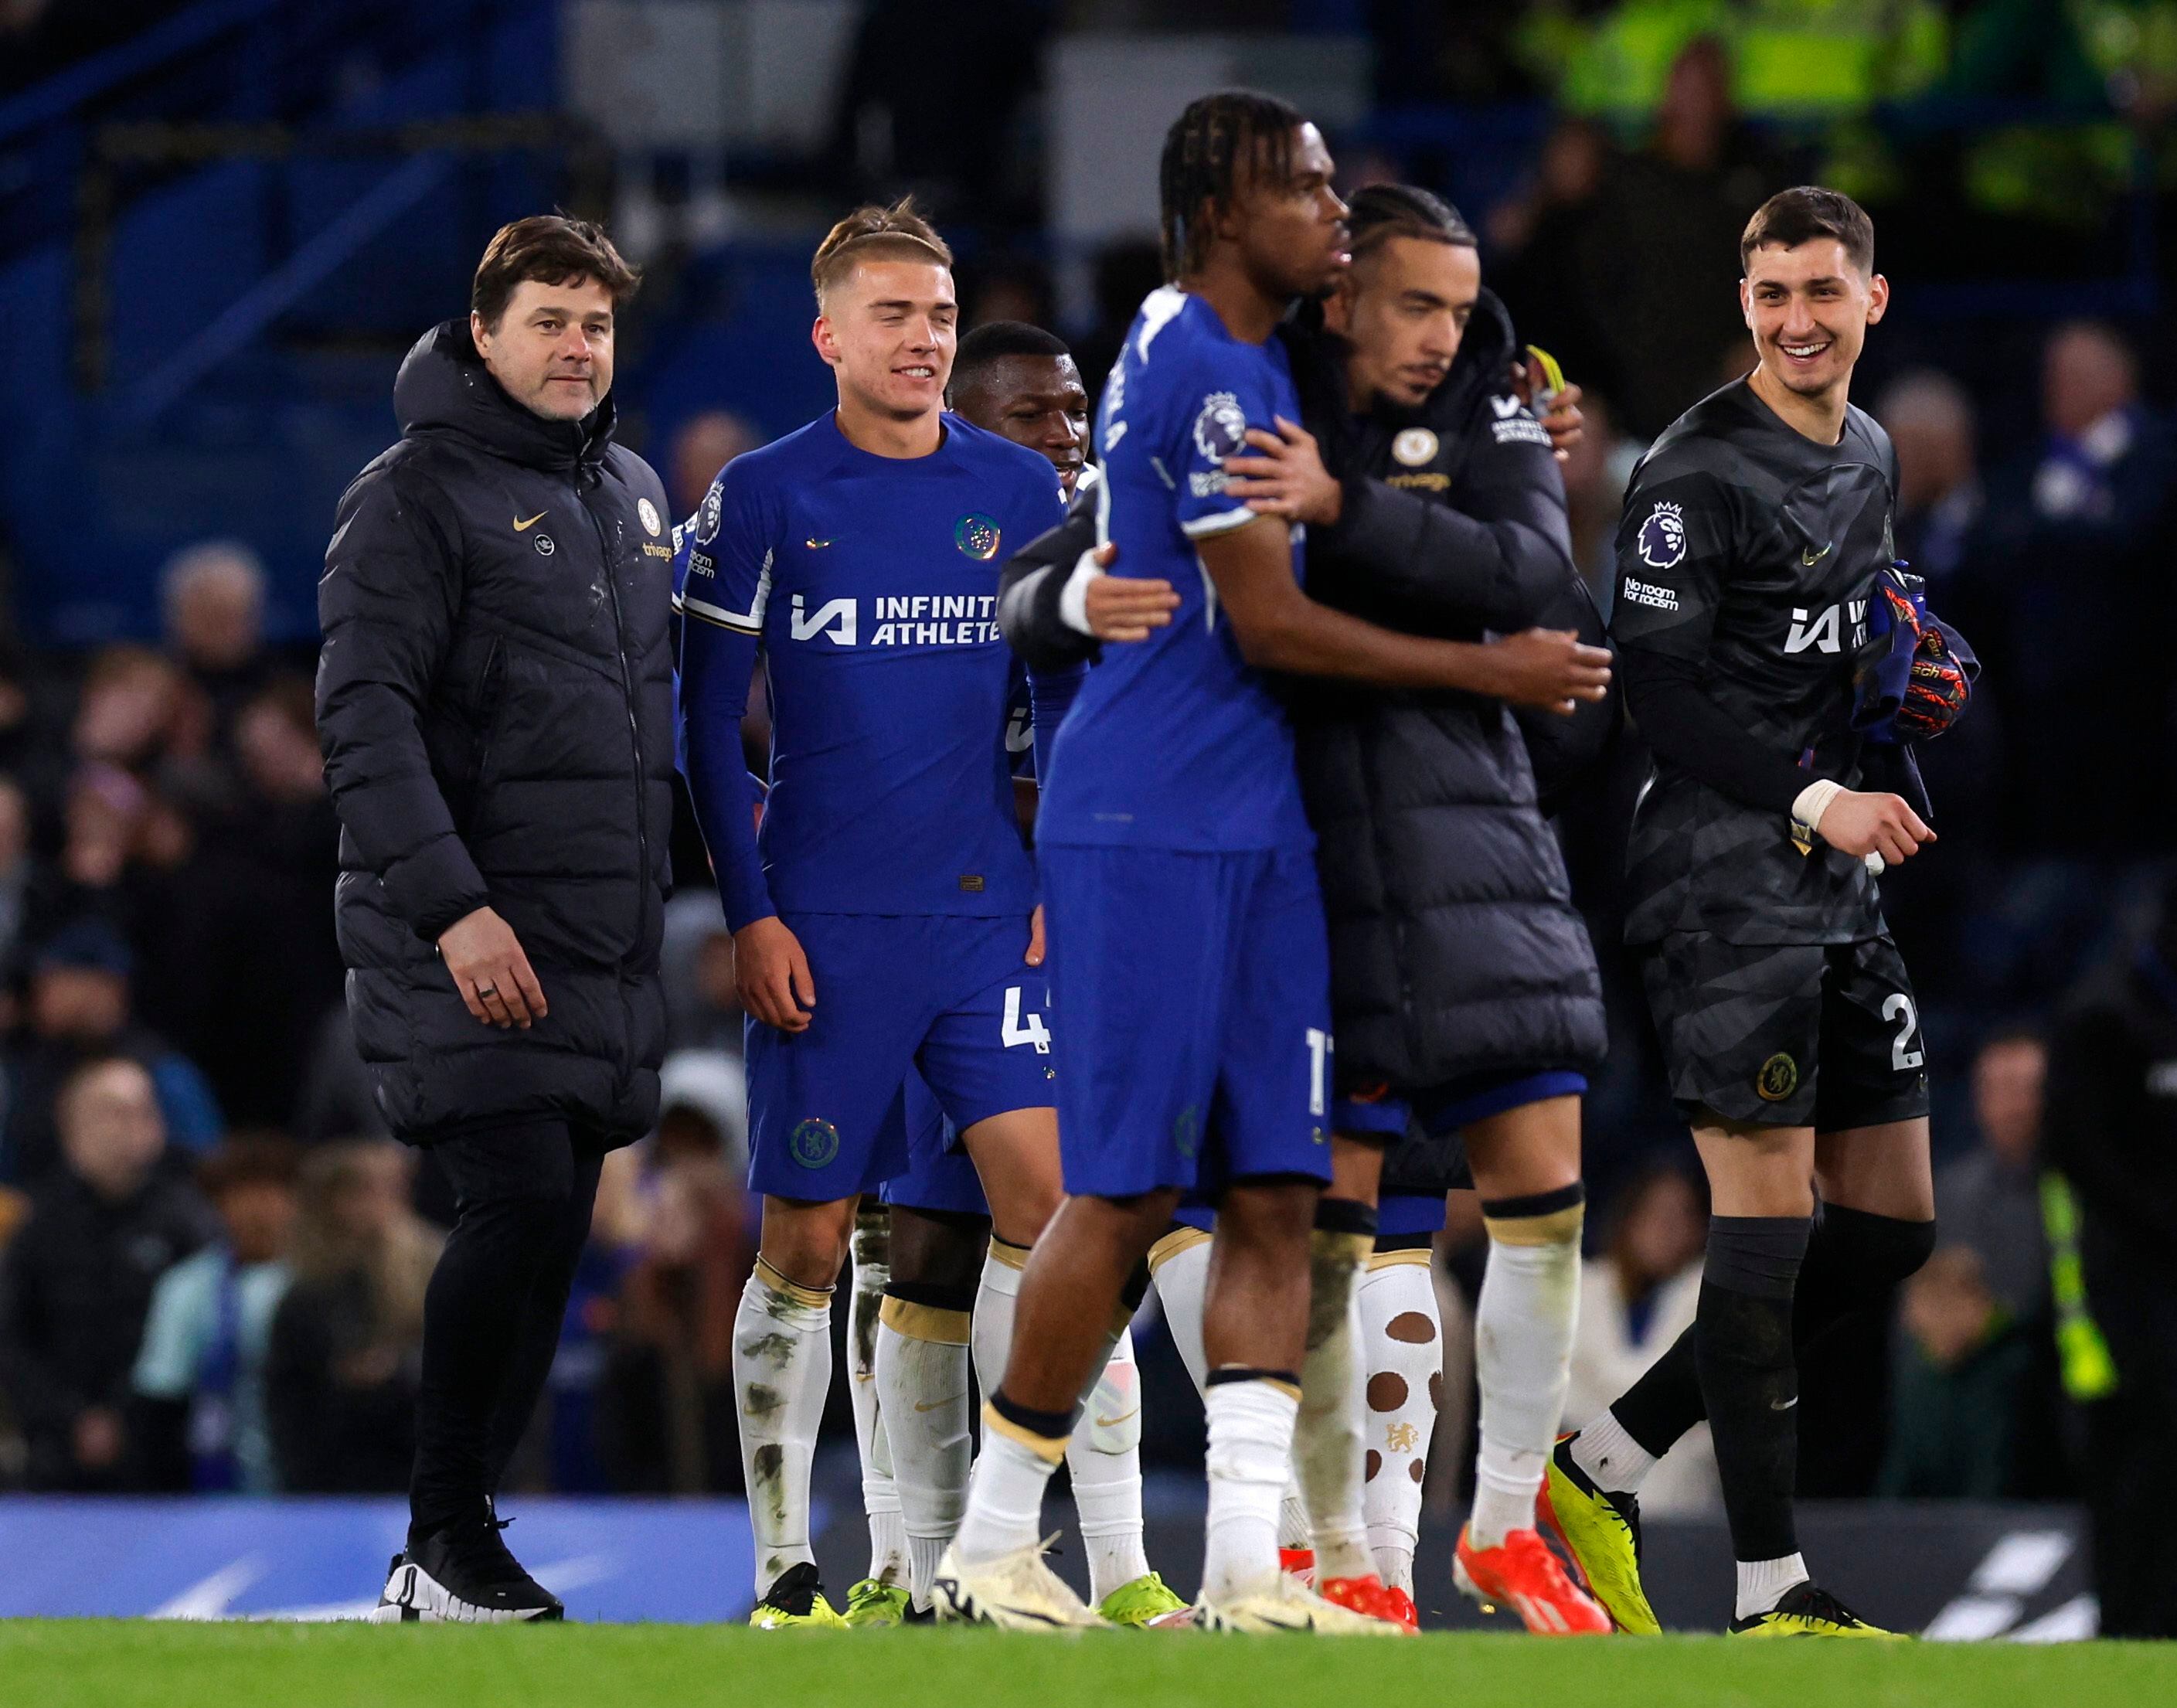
(1416, 1255)
(1172, 1244)
(931, 1322)
(816, 1298)
(1012, 1257)
(1558, 1228)
(1123, 1319)
(1045, 1447)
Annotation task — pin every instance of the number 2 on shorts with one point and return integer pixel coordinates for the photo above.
(1899, 1008)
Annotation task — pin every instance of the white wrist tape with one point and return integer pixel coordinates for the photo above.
(1074, 597)
(1812, 801)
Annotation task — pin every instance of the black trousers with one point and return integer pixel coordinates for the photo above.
(522, 1195)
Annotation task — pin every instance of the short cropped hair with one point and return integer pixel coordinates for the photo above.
(1382, 212)
(994, 340)
(1795, 217)
(896, 233)
(551, 250)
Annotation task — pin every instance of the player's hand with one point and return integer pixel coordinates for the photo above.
(1563, 421)
(771, 974)
(491, 972)
(1549, 668)
(1034, 956)
(1288, 479)
(1125, 608)
(1873, 824)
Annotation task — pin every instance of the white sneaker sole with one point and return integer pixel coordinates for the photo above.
(413, 1596)
(954, 1602)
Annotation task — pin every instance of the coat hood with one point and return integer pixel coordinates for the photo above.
(444, 387)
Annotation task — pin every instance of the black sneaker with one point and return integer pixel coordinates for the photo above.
(795, 1600)
(1808, 1612)
(461, 1574)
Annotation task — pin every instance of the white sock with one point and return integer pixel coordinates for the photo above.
(1523, 1330)
(1402, 1352)
(880, 1496)
(996, 1299)
(1328, 1445)
(1250, 1457)
(1182, 1288)
(782, 1374)
(922, 1378)
(1103, 1460)
(1762, 1582)
(1295, 1532)
(1005, 1501)
(1612, 1459)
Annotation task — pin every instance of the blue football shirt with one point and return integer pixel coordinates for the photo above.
(872, 583)
(1176, 742)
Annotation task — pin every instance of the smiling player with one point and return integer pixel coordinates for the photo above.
(1756, 534)
(882, 922)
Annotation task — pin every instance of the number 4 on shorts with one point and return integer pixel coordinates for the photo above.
(1034, 1032)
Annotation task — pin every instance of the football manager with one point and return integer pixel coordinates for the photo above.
(495, 705)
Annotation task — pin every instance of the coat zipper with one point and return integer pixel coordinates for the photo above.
(634, 725)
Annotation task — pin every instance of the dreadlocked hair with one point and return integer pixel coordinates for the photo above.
(1203, 154)
(1382, 212)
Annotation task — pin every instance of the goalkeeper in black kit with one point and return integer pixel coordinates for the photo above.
(1780, 665)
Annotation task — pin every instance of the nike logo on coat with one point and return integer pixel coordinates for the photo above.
(1809, 559)
(523, 528)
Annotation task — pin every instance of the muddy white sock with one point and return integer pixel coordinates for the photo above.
(1327, 1436)
(880, 1496)
(922, 1380)
(1103, 1460)
(782, 1374)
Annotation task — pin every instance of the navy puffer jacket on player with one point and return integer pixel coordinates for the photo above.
(495, 707)
(1455, 948)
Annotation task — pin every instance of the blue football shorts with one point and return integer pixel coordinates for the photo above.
(1192, 995)
(948, 997)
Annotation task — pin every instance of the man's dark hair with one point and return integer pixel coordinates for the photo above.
(1203, 154)
(1381, 212)
(1792, 217)
(248, 1159)
(994, 341)
(551, 250)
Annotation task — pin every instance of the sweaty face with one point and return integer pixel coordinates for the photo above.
(1402, 309)
(1035, 401)
(888, 329)
(1809, 309)
(1292, 233)
(552, 350)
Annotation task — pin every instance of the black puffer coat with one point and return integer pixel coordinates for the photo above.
(495, 705)
(1455, 948)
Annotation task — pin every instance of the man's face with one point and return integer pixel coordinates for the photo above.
(1403, 310)
(2007, 1082)
(1291, 234)
(219, 617)
(82, 1004)
(1809, 309)
(2084, 376)
(888, 330)
(552, 347)
(258, 1215)
(112, 1132)
(1035, 401)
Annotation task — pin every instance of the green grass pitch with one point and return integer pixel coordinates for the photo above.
(117, 1664)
